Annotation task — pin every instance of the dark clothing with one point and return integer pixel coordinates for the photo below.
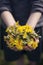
(21, 10)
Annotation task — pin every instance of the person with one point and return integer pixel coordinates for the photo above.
(24, 11)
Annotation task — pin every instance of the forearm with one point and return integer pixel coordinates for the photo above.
(33, 19)
(7, 18)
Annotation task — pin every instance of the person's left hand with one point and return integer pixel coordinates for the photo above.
(30, 48)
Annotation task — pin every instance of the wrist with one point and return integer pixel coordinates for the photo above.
(29, 24)
(11, 24)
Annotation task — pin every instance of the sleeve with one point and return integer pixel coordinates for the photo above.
(37, 5)
(5, 5)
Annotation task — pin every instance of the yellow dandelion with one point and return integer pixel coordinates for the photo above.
(35, 45)
(25, 35)
(19, 47)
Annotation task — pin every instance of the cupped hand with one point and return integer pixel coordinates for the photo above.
(30, 48)
(12, 48)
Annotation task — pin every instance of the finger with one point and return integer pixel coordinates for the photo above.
(12, 48)
(28, 48)
(37, 40)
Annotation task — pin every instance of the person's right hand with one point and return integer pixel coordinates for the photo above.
(12, 48)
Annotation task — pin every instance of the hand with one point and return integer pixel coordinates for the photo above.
(37, 40)
(30, 48)
(12, 48)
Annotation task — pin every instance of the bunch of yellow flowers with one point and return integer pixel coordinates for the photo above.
(19, 36)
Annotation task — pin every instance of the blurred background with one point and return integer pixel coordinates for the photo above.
(2, 60)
